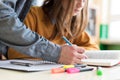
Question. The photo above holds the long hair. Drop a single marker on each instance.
(63, 20)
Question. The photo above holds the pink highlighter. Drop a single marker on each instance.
(76, 70)
(72, 70)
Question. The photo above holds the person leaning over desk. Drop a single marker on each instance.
(43, 20)
(56, 18)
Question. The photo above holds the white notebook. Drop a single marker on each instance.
(102, 58)
(101, 62)
(34, 65)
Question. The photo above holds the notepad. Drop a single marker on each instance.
(101, 62)
(36, 65)
(102, 58)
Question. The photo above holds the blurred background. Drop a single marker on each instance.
(104, 22)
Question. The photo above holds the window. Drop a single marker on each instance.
(114, 23)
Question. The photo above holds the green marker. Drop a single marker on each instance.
(99, 71)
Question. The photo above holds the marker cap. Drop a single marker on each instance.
(99, 71)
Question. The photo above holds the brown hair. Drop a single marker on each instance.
(64, 22)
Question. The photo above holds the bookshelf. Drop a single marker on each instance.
(94, 19)
(102, 28)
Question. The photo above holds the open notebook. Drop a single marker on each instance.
(102, 57)
(28, 65)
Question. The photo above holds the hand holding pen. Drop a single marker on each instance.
(71, 54)
(79, 49)
(75, 47)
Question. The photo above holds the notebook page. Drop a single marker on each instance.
(100, 62)
(102, 57)
(41, 67)
(103, 54)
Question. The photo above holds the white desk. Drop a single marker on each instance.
(112, 73)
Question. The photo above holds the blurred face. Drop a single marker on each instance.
(79, 4)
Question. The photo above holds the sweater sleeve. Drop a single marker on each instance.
(86, 42)
(15, 34)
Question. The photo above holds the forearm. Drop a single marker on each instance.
(14, 33)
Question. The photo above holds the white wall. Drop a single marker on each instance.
(114, 30)
(114, 26)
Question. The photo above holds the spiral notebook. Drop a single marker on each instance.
(28, 65)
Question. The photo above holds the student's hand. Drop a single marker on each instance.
(71, 54)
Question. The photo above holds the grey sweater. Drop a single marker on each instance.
(15, 34)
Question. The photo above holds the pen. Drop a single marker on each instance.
(76, 70)
(67, 41)
(21, 63)
(80, 65)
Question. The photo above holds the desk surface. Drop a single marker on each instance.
(112, 73)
